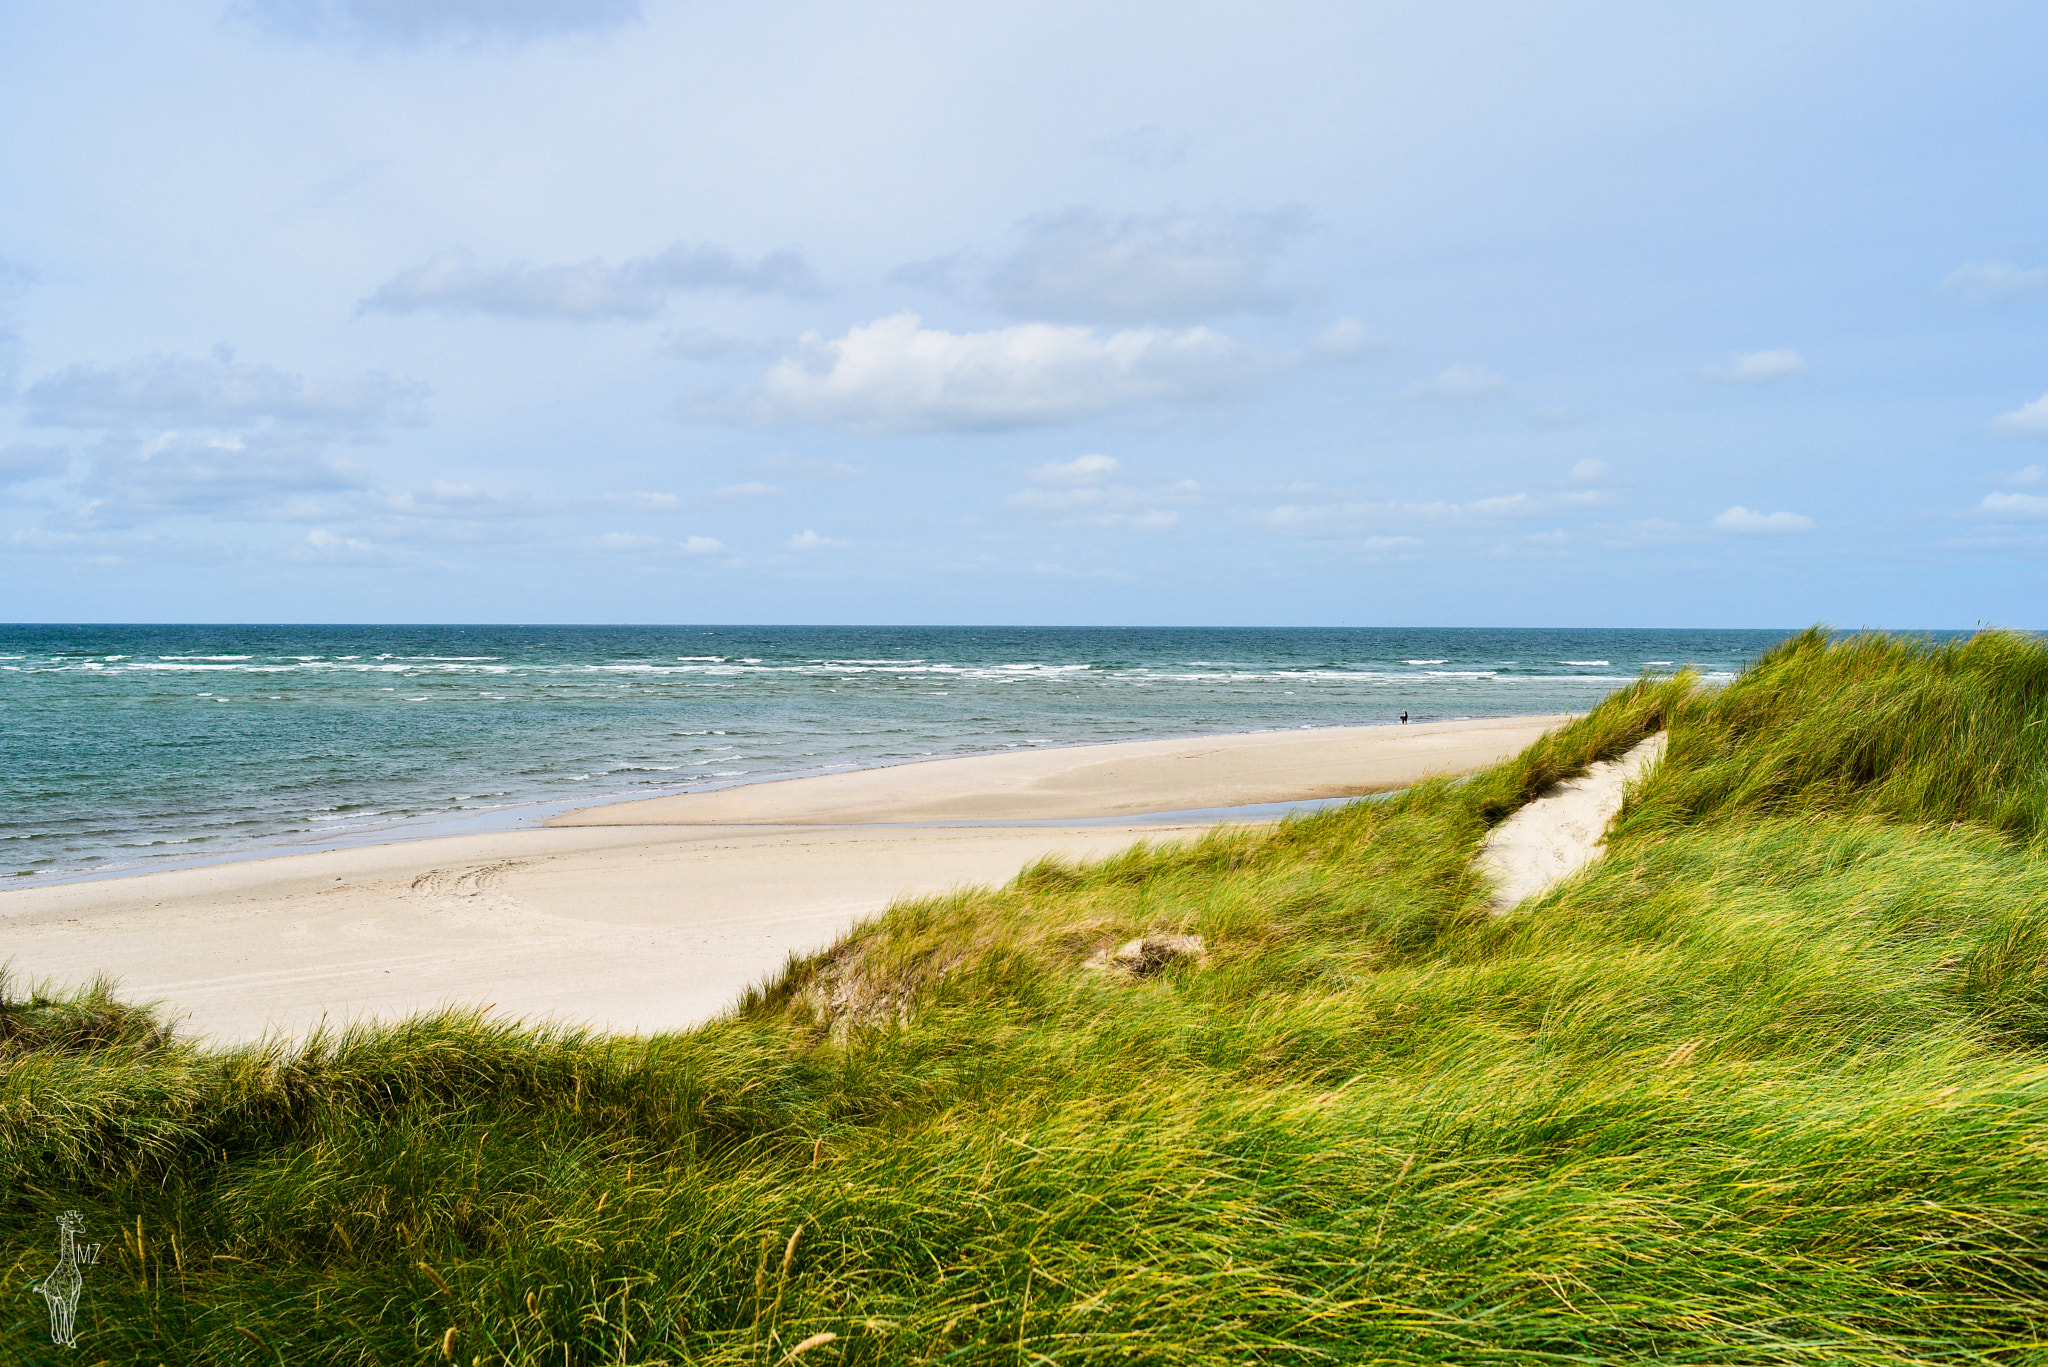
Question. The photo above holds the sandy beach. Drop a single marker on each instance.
(654, 915)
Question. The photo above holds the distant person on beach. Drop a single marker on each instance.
(1404, 716)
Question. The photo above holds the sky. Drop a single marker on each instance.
(1349, 314)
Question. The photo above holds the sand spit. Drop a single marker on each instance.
(1560, 832)
(655, 915)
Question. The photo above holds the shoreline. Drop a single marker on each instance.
(545, 813)
(638, 917)
(1128, 779)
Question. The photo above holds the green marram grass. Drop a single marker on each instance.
(1767, 1085)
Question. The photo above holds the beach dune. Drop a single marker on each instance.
(655, 915)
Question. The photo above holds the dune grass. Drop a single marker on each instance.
(1766, 1085)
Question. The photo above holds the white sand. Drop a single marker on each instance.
(653, 916)
(1126, 779)
(1560, 832)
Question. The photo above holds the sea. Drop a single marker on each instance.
(132, 748)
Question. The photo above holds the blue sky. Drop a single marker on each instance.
(1347, 314)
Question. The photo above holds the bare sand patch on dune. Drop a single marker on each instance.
(1561, 831)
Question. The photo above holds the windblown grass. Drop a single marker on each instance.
(1764, 1086)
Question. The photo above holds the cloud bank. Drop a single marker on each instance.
(219, 391)
(210, 435)
(895, 374)
(453, 282)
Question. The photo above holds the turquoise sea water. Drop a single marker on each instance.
(124, 748)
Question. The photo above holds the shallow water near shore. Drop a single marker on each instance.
(127, 748)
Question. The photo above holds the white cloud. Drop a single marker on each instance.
(638, 542)
(1992, 282)
(753, 488)
(1750, 523)
(220, 392)
(71, 545)
(1081, 266)
(216, 437)
(1155, 520)
(2028, 420)
(1759, 367)
(1078, 493)
(625, 541)
(1079, 470)
(2014, 505)
(456, 499)
(812, 469)
(414, 23)
(264, 474)
(1459, 384)
(653, 502)
(1654, 531)
(1586, 471)
(808, 540)
(896, 374)
(453, 282)
(2030, 474)
(1053, 570)
(1534, 546)
(1347, 519)
(1345, 337)
(321, 544)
